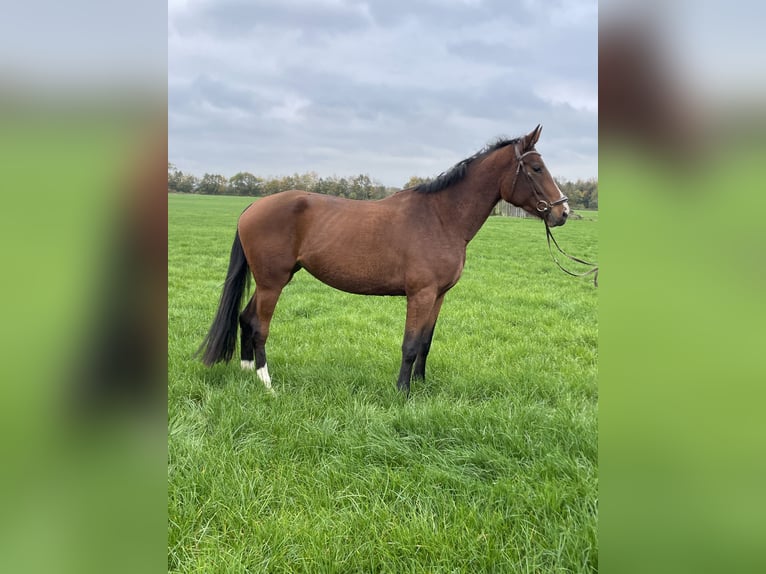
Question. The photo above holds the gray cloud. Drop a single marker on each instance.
(388, 88)
(244, 18)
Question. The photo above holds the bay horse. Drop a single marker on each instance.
(412, 244)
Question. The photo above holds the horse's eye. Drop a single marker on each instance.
(537, 169)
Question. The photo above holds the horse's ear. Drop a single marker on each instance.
(531, 138)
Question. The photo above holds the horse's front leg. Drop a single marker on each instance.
(417, 332)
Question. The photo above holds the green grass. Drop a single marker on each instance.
(491, 466)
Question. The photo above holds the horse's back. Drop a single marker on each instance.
(307, 209)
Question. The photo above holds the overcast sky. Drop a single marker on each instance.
(390, 88)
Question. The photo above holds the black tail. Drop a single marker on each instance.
(221, 340)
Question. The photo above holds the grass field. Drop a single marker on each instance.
(491, 466)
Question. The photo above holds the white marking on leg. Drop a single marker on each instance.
(263, 374)
(247, 365)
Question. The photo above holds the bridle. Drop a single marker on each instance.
(543, 206)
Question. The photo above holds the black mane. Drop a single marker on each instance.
(457, 171)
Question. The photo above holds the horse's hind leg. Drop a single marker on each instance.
(248, 325)
(254, 323)
(265, 303)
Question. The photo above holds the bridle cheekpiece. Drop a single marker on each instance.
(543, 205)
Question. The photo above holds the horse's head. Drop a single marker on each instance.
(531, 186)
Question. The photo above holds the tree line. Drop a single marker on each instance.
(244, 183)
(582, 194)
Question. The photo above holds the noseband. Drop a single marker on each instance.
(543, 205)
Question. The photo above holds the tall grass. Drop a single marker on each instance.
(489, 467)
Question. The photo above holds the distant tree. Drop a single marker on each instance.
(244, 183)
(593, 203)
(287, 182)
(582, 194)
(213, 184)
(172, 177)
(343, 187)
(334, 186)
(379, 191)
(360, 187)
(187, 183)
(272, 186)
(306, 181)
(179, 182)
(321, 185)
(415, 180)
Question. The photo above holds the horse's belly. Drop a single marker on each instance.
(364, 278)
(355, 251)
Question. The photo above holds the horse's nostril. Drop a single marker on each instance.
(565, 214)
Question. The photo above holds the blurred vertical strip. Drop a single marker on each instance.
(83, 239)
(683, 277)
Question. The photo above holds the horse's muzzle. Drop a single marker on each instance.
(554, 220)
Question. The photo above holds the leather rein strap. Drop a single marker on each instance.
(544, 206)
(593, 270)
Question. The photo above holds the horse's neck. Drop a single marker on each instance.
(469, 203)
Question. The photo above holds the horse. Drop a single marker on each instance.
(411, 244)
